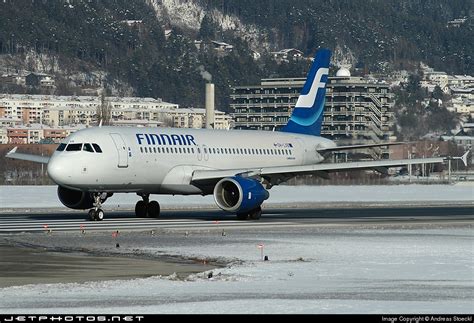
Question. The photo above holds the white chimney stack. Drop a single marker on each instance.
(209, 105)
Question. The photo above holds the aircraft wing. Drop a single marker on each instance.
(276, 175)
(34, 158)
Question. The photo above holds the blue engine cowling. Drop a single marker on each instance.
(239, 194)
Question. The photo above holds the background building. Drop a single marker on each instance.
(356, 110)
(37, 133)
(26, 119)
(55, 110)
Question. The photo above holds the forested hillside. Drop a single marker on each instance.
(65, 37)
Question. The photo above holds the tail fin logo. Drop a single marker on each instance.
(307, 100)
(307, 116)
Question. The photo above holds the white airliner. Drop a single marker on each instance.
(237, 167)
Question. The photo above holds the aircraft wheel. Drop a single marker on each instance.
(96, 215)
(99, 215)
(255, 214)
(153, 209)
(141, 209)
(92, 214)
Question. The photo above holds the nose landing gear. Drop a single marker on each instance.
(147, 208)
(97, 214)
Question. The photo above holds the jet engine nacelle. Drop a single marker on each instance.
(79, 200)
(239, 194)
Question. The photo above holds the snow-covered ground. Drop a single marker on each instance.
(46, 196)
(338, 269)
(326, 268)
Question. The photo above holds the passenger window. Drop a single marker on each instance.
(97, 148)
(88, 147)
(141, 149)
(74, 147)
(154, 150)
(146, 149)
(61, 147)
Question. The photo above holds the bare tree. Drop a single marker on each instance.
(104, 111)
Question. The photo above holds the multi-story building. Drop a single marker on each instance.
(3, 136)
(356, 110)
(36, 133)
(62, 110)
(4, 122)
(195, 118)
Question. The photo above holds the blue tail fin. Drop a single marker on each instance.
(307, 115)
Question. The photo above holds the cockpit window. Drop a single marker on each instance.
(61, 147)
(97, 148)
(74, 147)
(88, 147)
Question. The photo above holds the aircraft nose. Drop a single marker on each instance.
(58, 170)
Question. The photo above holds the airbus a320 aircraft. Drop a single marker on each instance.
(237, 167)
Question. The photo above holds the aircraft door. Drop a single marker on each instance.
(121, 150)
(199, 152)
(205, 152)
(304, 155)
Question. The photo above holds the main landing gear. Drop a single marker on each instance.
(97, 214)
(147, 208)
(254, 214)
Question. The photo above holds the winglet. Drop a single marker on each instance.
(12, 151)
(464, 158)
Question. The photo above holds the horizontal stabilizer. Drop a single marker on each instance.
(338, 148)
